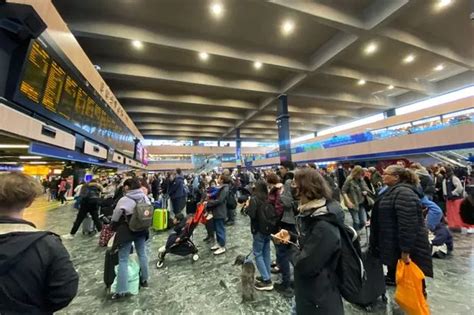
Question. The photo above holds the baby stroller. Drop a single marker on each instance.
(185, 245)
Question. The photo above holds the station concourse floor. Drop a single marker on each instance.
(211, 285)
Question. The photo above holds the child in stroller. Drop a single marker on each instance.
(179, 242)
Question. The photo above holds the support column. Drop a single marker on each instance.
(283, 125)
(238, 148)
(195, 142)
(219, 143)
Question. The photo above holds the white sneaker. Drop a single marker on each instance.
(215, 247)
(67, 237)
(470, 230)
(220, 250)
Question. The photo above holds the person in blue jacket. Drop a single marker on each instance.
(435, 214)
(177, 192)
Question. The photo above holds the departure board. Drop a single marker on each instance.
(68, 98)
(35, 73)
(54, 87)
(50, 87)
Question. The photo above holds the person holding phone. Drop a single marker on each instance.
(316, 247)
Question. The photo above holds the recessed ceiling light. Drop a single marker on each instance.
(361, 82)
(439, 67)
(217, 9)
(203, 56)
(14, 146)
(444, 3)
(390, 87)
(137, 44)
(30, 157)
(287, 27)
(370, 48)
(409, 59)
(257, 65)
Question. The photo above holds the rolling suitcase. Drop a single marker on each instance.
(88, 227)
(111, 260)
(160, 219)
(374, 287)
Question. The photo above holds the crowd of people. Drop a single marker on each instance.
(296, 210)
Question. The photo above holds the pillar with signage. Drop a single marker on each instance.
(238, 148)
(283, 125)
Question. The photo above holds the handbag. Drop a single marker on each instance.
(409, 292)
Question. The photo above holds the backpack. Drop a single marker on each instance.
(268, 219)
(231, 202)
(142, 216)
(350, 267)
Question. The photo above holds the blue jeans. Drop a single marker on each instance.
(261, 250)
(220, 231)
(124, 252)
(359, 218)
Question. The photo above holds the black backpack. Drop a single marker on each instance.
(231, 202)
(268, 219)
(350, 267)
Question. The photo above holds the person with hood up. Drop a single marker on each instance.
(397, 229)
(36, 272)
(124, 237)
(317, 248)
(177, 192)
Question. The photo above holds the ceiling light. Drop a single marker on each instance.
(287, 27)
(37, 163)
(257, 65)
(217, 9)
(361, 82)
(444, 3)
(30, 157)
(14, 146)
(409, 59)
(203, 56)
(390, 87)
(371, 48)
(439, 67)
(137, 44)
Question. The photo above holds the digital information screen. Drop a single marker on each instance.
(46, 83)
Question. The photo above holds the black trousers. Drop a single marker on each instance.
(62, 196)
(87, 207)
(210, 228)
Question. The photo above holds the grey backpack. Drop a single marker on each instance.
(142, 217)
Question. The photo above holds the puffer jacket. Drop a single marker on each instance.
(397, 226)
(315, 261)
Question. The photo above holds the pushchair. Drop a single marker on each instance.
(185, 245)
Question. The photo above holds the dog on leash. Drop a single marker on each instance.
(247, 278)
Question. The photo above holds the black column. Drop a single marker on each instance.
(283, 124)
(238, 148)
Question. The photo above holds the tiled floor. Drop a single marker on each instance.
(211, 285)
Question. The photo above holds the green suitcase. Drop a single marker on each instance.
(160, 219)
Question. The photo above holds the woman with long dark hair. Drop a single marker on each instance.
(397, 225)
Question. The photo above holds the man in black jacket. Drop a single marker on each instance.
(36, 273)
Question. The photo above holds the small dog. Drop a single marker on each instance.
(247, 278)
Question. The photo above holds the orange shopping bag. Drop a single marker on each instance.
(409, 291)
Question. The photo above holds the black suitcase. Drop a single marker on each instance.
(374, 287)
(111, 260)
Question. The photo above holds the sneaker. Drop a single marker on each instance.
(118, 296)
(208, 239)
(259, 278)
(284, 290)
(215, 247)
(229, 223)
(220, 250)
(144, 284)
(264, 285)
(470, 230)
(67, 237)
(275, 270)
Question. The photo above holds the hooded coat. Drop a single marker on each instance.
(315, 261)
(36, 272)
(397, 226)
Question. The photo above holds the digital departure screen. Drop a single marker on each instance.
(50, 87)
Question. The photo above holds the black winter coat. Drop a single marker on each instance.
(36, 273)
(254, 211)
(316, 281)
(397, 226)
